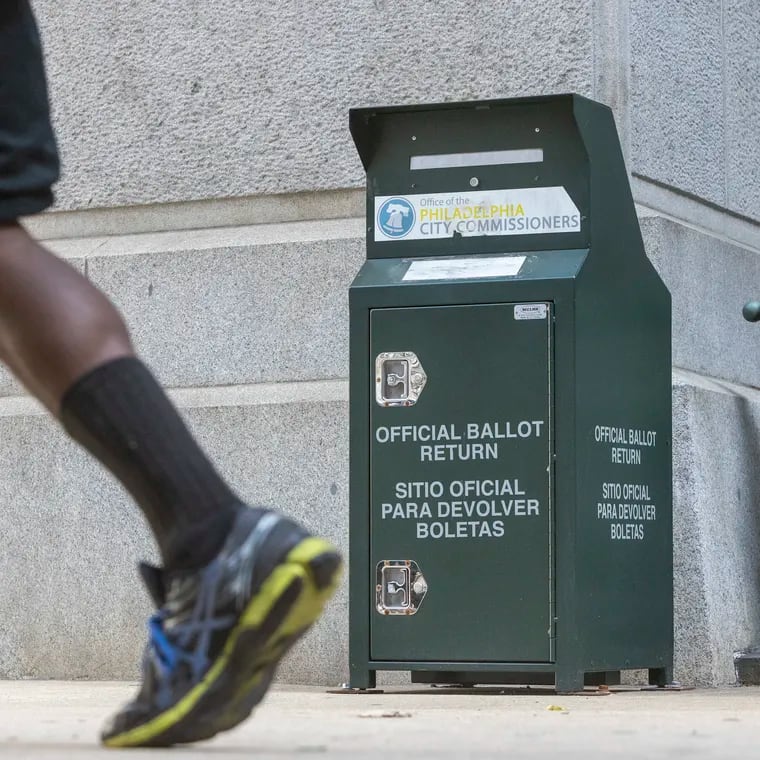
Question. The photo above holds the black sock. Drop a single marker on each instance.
(122, 416)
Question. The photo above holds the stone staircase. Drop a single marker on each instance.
(248, 327)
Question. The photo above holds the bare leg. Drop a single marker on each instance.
(55, 326)
(67, 343)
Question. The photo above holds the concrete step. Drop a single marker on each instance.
(716, 524)
(244, 305)
(710, 279)
(219, 314)
(70, 598)
(251, 325)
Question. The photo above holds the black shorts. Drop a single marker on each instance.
(28, 155)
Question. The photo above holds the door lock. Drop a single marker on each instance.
(399, 378)
(401, 587)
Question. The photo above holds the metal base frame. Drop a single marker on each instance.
(489, 673)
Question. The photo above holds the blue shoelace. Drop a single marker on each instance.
(188, 642)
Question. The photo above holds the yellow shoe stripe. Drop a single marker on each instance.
(303, 613)
(256, 612)
(309, 549)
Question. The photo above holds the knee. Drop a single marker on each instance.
(101, 324)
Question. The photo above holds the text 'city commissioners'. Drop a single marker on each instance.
(519, 211)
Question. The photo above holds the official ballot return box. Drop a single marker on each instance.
(511, 499)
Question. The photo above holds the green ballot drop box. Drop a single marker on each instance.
(510, 383)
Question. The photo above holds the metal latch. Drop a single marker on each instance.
(399, 378)
(401, 587)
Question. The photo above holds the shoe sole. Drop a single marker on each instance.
(289, 601)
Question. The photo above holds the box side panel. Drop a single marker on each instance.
(624, 561)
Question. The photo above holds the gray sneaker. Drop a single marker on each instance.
(220, 632)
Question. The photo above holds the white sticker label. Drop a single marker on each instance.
(531, 311)
(526, 211)
(464, 269)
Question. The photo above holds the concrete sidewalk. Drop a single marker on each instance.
(61, 720)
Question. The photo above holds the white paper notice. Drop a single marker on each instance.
(464, 269)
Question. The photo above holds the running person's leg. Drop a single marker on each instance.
(54, 325)
(238, 584)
